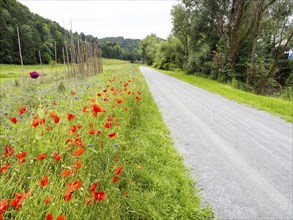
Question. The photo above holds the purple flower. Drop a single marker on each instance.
(34, 74)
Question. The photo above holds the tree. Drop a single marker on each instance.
(148, 48)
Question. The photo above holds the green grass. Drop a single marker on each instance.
(11, 72)
(276, 106)
(157, 184)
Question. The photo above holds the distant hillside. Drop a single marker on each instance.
(112, 45)
(40, 34)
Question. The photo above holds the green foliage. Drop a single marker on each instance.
(36, 34)
(153, 173)
(148, 48)
(163, 54)
(240, 40)
(120, 48)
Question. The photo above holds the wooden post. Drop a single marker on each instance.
(100, 61)
(67, 58)
(55, 61)
(63, 54)
(95, 60)
(20, 55)
(72, 51)
(41, 62)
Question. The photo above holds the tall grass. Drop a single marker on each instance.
(116, 157)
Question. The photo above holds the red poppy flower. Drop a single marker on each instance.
(14, 120)
(77, 184)
(61, 217)
(42, 156)
(21, 157)
(3, 206)
(70, 189)
(77, 164)
(22, 110)
(108, 124)
(55, 117)
(93, 187)
(119, 101)
(44, 181)
(47, 200)
(49, 216)
(70, 116)
(35, 121)
(118, 171)
(115, 179)
(72, 130)
(99, 131)
(67, 196)
(19, 198)
(137, 98)
(66, 173)
(42, 121)
(112, 134)
(92, 131)
(88, 201)
(78, 152)
(106, 99)
(8, 151)
(99, 196)
(96, 109)
(4, 168)
(57, 156)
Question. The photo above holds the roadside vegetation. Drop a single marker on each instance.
(245, 43)
(90, 147)
(277, 106)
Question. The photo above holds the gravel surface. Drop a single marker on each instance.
(240, 157)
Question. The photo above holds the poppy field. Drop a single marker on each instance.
(90, 148)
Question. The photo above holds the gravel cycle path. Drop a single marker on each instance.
(240, 157)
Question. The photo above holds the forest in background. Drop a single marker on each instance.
(40, 34)
(242, 42)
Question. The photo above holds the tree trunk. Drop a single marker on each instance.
(234, 26)
(260, 9)
(276, 61)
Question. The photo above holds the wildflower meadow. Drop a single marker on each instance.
(90, 148)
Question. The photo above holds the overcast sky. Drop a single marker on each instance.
(130, 19)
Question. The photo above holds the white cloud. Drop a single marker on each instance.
(130, 19)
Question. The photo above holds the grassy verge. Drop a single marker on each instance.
(92, 148)
(278, 107)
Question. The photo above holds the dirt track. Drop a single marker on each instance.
(239, 156)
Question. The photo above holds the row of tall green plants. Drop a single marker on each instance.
(244, 42)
